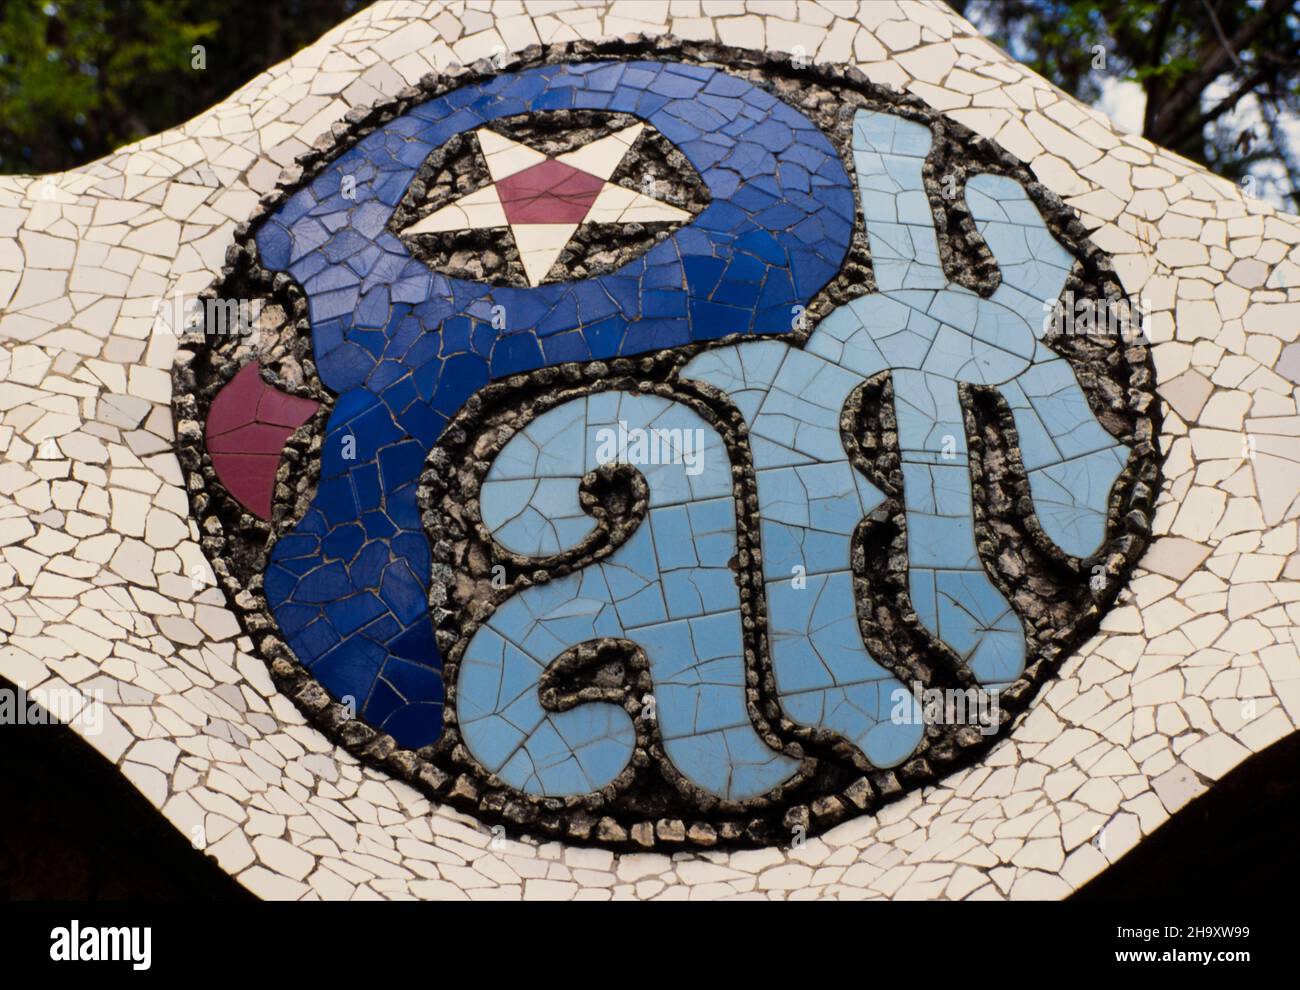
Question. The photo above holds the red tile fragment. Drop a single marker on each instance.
(248, 425)
(549, 192)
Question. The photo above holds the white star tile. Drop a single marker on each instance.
(600, 158)
(504, 156)
(539, 245)
(481, 208)
(616, 204)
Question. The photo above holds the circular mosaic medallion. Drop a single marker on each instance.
(659, 445)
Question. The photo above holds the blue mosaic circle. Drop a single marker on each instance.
(780, 517)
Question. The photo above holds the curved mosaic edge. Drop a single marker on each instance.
(867, 792)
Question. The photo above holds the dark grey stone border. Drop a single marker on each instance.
(1060, 599)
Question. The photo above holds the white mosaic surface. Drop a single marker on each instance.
(1193, 670)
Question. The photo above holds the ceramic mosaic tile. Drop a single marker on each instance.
(687, 465)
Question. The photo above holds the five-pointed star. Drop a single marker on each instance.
(543, 199)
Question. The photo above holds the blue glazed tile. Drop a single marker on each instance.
(369, 565)
(318, 636)
(274, 244)
(415, 725)
(346, 665)
(402, 593)
(349, 614)
(382, 630)
(626, 316)
(343, 542)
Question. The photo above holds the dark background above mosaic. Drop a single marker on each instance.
(83, 77)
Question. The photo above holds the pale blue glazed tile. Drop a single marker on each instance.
(761, 361)
(1071, 498)
(982, 204)
(697, 666)
(696, 591)
(713, 530)
(795, 663)
(602, 407)
(758, 768)
(979, 625)
(774, 432)
(1007, 331)
(669, 648)
(545, 765)
(783, 550)
(1062, 408)
(914, 210)
(833, 506)
(999, 659)
(924, 597)
(960, 310)
(500, 501)
(950, 484)
(890, 743)
(880, 205)
(782, 496)
(480, 675)
(807, 707)
(835, 634)
(609, 749)
(557, 498)
(673, 543)
(1036, 446)
(1007, 241)
(906, 345)
(639, 609)
(718, 635)
(818, 441)
(940, 541)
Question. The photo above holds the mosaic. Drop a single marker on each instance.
(651, 445)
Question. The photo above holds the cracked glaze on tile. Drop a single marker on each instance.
(1196, 668)
(669, 589)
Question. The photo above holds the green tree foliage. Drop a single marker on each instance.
(79, 78)
(1221, 77)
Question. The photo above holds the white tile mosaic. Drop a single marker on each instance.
(103, 587)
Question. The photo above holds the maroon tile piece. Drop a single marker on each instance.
(247, 426)
(238, 396)
(549, 192)
(250, 479)
(256, 438)
(282, 409)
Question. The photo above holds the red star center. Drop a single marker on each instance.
(549, 192)
(544, 200)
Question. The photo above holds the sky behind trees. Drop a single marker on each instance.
(1215, 80)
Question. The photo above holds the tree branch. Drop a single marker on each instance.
(1189, 89)
(1156, 49)
(1218, 29)
(1219, 109)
